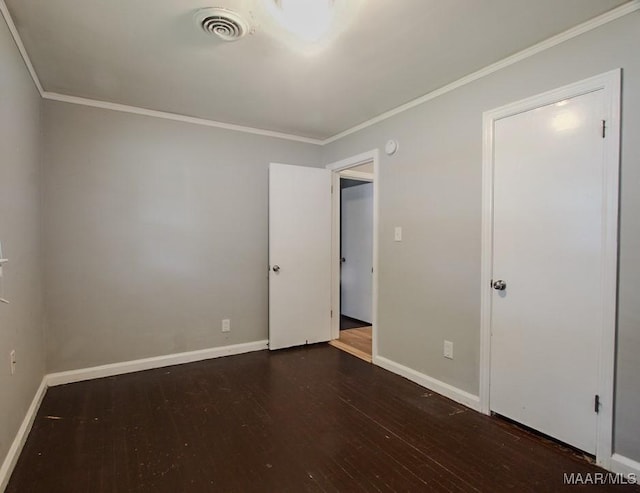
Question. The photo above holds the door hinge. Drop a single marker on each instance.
(596, 404)
(604, 128)
(331, 188)
(331, 313)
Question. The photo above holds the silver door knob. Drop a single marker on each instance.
(276, 268)
(499, 285)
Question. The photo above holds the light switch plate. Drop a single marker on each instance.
(12, 361)
(448, 349)
(397, 235)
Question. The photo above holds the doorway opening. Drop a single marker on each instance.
(353, 310)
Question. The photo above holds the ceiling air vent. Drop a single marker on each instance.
(225, 24)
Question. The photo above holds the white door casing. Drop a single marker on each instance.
(550, 232)
(299, 255)
(357, 250)
(336, 169)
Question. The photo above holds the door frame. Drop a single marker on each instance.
(609, 82)
(372, 156)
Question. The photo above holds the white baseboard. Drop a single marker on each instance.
(21, 437)
(72, 376)
(449, 391)
(624, 465)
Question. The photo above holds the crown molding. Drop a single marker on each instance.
(612, 15)
(18, 41)
(587, 26)
(134, 109)
(175, 117)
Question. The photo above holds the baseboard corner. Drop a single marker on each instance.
(13, 453)
(624, 465)
(449, 391)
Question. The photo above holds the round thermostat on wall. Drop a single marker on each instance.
(391, 147)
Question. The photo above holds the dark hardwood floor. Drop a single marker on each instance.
(307, 419)
(347, 323)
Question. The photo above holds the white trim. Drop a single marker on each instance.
(610, 83)
(21, 437)
(624, 465)
(590, 25)
(449, 391)
(357, 175)
(353, 161)
(372, 156)
(175, 117)
(23, 52)
(587, 26)
(72, 376)
(486, 263)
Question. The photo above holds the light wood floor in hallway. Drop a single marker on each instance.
(357, 342)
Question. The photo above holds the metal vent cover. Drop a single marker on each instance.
(224, 23)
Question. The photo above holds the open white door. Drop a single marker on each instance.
(299, 255)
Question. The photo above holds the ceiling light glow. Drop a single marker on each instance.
(308, 20)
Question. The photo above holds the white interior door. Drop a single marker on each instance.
(356, 234)
(299, 255)
(548, 249)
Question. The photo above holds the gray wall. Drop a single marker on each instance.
(430, 282)
(155, 231)
(21, 321)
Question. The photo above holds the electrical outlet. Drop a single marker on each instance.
(226, 325)
(448, 349)
(12, 361)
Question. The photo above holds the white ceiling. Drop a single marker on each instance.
(150, 54)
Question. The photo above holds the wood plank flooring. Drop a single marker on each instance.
(308, 419)
(357, 342)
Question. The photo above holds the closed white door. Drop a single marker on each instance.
(356, 287)
(547, 314)
(299, 255)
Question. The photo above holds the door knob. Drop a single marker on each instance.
(342, 260)
(499, 285)
(276, 268)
